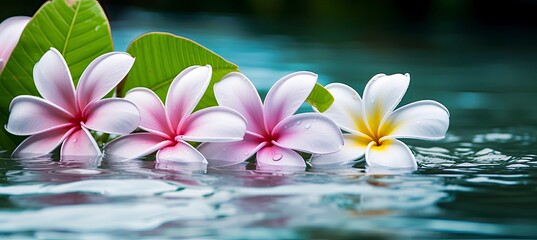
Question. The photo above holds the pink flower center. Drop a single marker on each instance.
(79, 119)
(270, 138)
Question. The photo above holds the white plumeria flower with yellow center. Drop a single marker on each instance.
(373, 126)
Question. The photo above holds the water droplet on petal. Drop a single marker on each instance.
(246, 153)
(298, 122)
(308, 126)
(355, 97)
(277, 157)
(75, 140)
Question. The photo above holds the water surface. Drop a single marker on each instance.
(476, 184)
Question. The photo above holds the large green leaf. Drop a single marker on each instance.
(78, 29)
(161, 56)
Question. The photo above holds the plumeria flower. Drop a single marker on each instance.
(273, 131)
(373, 126)
(64, 115)
(169, 127)
(10, 32)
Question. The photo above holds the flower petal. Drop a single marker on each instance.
(42, 143)
(381, 95)
(135, 145)
(247, 103)
(152, 111)
(80, 143)
(101, 76)
(214, 124)
(346, 110)
(185, 92)
(309, 132)
(10, 32)
(229, 153)
(181, 152)
(392, 153)
(353, 148)
(53, 80)
(1, 65)
(286, 96)
(419, 120)
(112, 115)
(278, 156)
(30, 115)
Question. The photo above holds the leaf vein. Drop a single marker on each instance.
(71, 27)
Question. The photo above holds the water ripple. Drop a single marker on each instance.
(103, 217)
(468, 185)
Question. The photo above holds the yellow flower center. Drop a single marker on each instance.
(377, 129)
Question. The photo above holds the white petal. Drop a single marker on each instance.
(10, 32)
(112, 115)
(135, 145)
(309, 132)
(101, 76)
(278, 156)
(353, 148)
(152, 111)
(381, 95)
(53, 80)
(286, 96)
(229, 153)
(30, 115)
(247, 102)
(181, 152)
(419, 120)
(346, 110)
(185, 92)
(214, 124)
(80, 143)
(392, 153)
(42, 143)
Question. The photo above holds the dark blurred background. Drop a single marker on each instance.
(476, 57)
(315, 15)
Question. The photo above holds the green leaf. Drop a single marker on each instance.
(161, 56)
(78, 29)
(320, 98)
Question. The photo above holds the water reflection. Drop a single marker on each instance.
(470, 185)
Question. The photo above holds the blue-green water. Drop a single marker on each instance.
(480, 182)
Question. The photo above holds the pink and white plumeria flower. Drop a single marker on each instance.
(10, 32)
(373, 126)
(169, 127)
(273, 131)
(65, 115)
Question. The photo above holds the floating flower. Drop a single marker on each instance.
(373, 126)
(169, 127)
(65, 115)
(273, 131)
(10, 32)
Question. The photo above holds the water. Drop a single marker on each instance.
(479, 182)
(472, 184)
